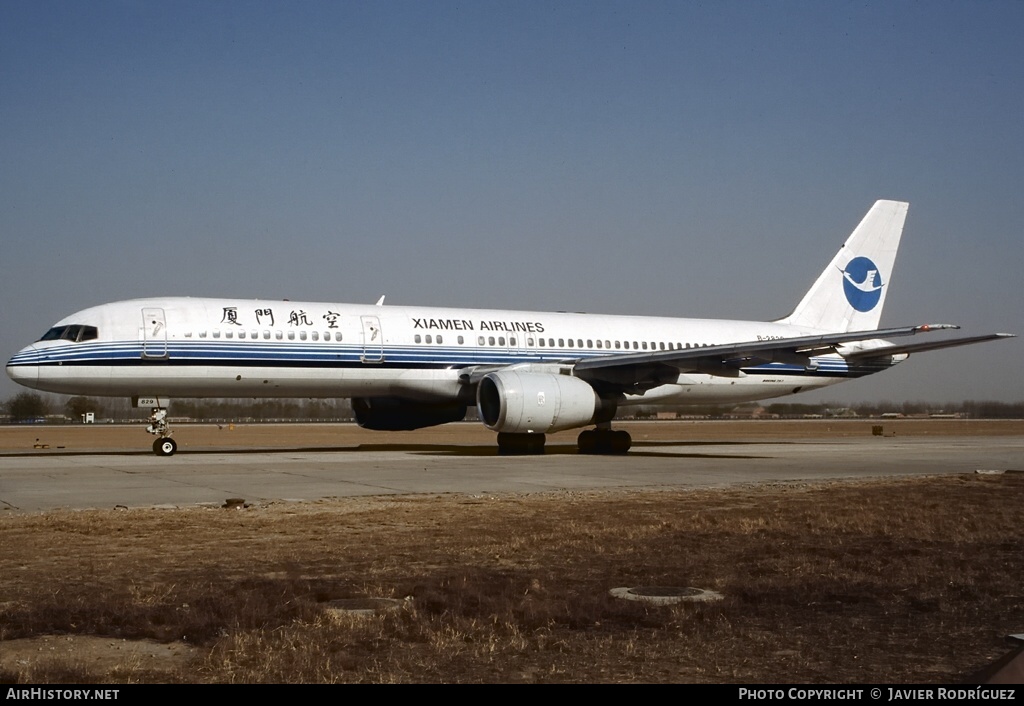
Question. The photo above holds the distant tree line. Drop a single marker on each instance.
(971, 409)
(30, 406)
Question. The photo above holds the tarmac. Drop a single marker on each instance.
(108, 479)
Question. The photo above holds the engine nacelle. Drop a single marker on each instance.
(396, 414)
(523, 402)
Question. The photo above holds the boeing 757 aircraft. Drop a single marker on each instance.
(528, 373)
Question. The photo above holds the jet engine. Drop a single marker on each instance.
(528, 402)
(396, 414)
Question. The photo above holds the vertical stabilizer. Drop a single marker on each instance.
(850, 293)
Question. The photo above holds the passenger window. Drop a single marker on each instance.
(511, 340)
(501, 340)
(439, 338)
(216, 333)
(278, 335)
(254, 335)
(337, 335)
(541, 341)
(561, 342)
(590, 343)
(428, 338)
(480, 340)
(570, 343)
(529, 342)
(461, 340)
(266, 335)
(188, 334)
(202, 334)
(291, 335)
(417, 338)
(229, 334)
(302, 335)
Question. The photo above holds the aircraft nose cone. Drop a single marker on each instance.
(22, 368)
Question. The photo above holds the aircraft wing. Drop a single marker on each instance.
(642, 371)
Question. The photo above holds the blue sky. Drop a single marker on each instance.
(665, 158)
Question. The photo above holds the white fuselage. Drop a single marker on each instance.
(193, 347)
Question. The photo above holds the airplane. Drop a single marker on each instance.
(528, 373)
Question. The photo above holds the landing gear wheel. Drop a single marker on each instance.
(603, 441)
(165, 447)
(621, 441)
(520, 444)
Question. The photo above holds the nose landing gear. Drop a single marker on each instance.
(159, 426)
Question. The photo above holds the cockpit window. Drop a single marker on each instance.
(54, 334)
(75, 333)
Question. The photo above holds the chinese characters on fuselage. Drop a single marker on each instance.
(265, 316)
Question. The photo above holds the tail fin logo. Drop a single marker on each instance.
(862, 284)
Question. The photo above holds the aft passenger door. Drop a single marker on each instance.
(154, 333)
(373, 340)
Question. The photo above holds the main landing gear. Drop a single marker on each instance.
(520, 444)
(600, 441)
(158, 425)
(603, 441)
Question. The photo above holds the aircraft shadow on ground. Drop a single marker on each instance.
(645, 449)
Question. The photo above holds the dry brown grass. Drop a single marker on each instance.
(911, 580)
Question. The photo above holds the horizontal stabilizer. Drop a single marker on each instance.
(898, 349)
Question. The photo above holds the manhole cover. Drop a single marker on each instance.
(665, 595)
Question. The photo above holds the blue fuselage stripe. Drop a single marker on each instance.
(244, 354)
